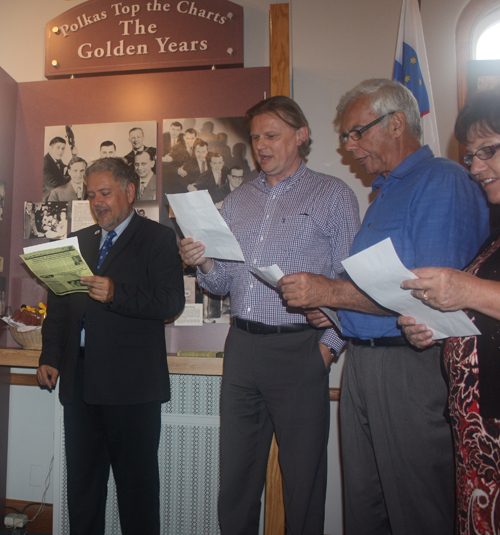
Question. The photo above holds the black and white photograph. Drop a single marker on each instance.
(211, 154)
(69, 149)
(147, 209)
(45, 220)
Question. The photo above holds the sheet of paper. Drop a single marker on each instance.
(191, 315)
(378, 271)
(60, 268)
(272, 274)
(53, 245)
(81, 216)
(198, 218)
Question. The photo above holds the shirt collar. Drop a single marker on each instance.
(407, 165)
(287, 182)
(119, 229)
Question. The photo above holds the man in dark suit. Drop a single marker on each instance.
(108, 347)
(196, 165)
(214, 180)
(53, 167)
(144, 165)
(136, 138)
(182, 151)
(177, 179)
(172, 138)
(74, 190)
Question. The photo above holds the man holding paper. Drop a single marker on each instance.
(108, 347)
(397, 450)
(276, 367)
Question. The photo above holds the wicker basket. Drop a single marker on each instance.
(27, 339)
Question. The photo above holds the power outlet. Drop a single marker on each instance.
(16, 521)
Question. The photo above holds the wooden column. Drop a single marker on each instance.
(279, 39)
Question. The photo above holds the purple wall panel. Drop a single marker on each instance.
(105, 99)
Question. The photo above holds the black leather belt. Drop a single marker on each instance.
(386, 341)
(254, 327)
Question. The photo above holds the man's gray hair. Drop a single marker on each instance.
(118, 168)
(386, 96)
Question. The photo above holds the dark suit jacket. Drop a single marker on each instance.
(53, 177)
(125, 352)
(130, 157)
(207, 181)
(193, 170)
(167, 142)
(66, 193)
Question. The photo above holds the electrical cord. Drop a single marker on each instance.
(47, 485)
(42, 503)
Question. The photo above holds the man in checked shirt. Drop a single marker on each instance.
(276, 366)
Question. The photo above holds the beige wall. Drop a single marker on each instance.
(335, 45)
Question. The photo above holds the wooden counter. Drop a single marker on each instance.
(23, 358)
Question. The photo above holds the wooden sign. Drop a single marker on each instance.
(104, 36)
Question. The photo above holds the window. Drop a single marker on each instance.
(487, 37)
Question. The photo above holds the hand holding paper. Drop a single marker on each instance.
(272, 274)
(198, 218)
(379, 272)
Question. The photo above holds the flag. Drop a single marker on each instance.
(412, 70)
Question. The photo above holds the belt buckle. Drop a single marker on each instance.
(372, 342)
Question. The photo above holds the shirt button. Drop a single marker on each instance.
(251, 285)
(274, 196)
(267, 216)
(248, 309)
(261, 238)
(254, 261)
(369, 225)
(381, 195)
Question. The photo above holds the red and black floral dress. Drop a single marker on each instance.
(473, 368)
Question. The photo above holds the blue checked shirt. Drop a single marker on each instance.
(307, 222)
(435, 215)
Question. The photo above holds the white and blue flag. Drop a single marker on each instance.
(412, 70)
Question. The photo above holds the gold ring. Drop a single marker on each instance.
(425, 297)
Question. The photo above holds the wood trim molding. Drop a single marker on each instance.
(23, 379)
(279, 41)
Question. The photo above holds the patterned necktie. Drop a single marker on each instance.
(106, 246)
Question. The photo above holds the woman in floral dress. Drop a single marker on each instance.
(472, 363)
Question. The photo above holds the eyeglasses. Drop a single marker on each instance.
(483, 154)
(356, 134)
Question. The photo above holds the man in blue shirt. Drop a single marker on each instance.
(396, 444)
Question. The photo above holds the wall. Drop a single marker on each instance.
(335, 45)
(8, 90)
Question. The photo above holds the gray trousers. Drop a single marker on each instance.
(277, 383)
(397, 449)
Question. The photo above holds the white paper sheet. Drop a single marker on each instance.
(378, 271)
(56, 244)
(272, 274)
(198, 218)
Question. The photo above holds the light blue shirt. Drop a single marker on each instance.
(435, 214)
